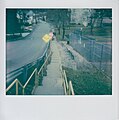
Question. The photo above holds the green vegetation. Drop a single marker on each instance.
(104, 31)
(99, 33)
(68, 29)
(89, 83)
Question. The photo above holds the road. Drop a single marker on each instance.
(27, 49)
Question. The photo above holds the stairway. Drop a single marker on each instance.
(52, 83)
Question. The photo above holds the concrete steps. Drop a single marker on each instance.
(52, 83)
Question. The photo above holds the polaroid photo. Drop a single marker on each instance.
(59, 60)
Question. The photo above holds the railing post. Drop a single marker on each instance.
(90, 51)
(65, 78)
(101, 56)
(17, 87)
(36, 77)
(49, 59)
(45, 67)
(42, 72)
(69, 89)
(25, 73)
(23, 91)
(37, 64)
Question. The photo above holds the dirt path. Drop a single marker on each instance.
(72, 59)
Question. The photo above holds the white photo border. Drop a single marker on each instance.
(91, 107)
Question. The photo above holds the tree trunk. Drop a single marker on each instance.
(92, 25)
(91, 29)
(63, 32)
(59, 30)
(101, 25)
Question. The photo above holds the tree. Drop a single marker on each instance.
(98, 15)
(60, 18)
(104, 13)
(12, 24)
(80, 16)
(93, 17)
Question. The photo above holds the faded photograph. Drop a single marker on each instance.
(59, 51)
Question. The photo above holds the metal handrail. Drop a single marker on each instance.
(71, 90)
(68, 87)
(30, 78)
(18, 70)
(44, 63)
(10, 86)
(65, 79)
(17, 82)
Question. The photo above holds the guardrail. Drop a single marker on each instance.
(35, 72)
(68, 87)
(24, 71)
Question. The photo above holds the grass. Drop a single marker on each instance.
(92, 82)
(99, 33)
(68, 30)
(89, 83)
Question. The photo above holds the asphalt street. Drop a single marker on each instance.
(28, 49)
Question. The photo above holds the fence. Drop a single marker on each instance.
(25, 77)
(35, 74)
(99, 54)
